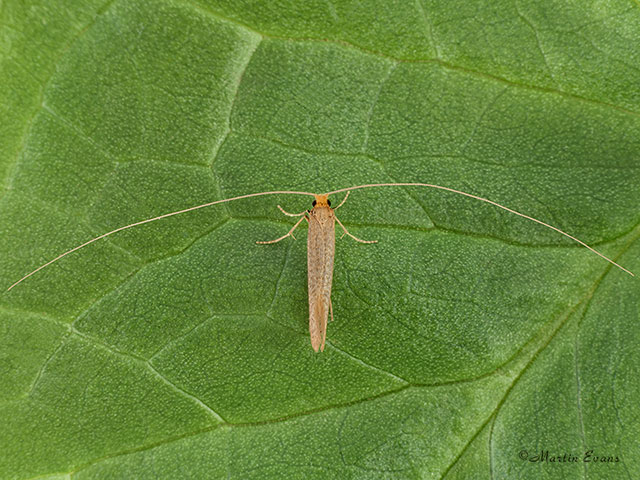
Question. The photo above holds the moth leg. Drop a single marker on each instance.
(343, 200)
(331, 308)
(355, 238)
(291, 214)
(289, 234)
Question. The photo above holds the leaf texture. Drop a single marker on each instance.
(462, 339)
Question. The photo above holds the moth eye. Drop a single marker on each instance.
(313, 204)
(329, 202)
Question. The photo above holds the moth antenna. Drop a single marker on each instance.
(148, 220)
(440, 187)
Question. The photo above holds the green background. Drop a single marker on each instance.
(180, 349)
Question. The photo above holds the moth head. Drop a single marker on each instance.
(321, 201)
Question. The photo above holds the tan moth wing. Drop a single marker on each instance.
(321, 245)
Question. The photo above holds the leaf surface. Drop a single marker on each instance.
(466, 342)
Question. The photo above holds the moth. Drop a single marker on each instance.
(320, 244)
(321, 249)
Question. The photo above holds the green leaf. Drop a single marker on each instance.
(465, 340)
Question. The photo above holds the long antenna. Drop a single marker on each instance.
(487, 201)
(347, 189)
(171, 214)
